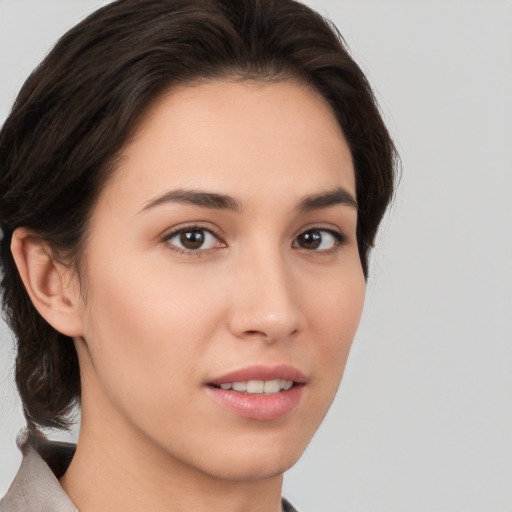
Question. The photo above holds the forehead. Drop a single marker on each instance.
(247, 139)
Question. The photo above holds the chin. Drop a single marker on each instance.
(255, 462)
(251, 470)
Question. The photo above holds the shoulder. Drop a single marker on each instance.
(285, 505)
(36, 487)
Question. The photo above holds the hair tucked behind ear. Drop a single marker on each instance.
(77, 110)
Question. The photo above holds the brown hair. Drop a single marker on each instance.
(76, 111)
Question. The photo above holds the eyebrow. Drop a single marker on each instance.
(198, 198)
(212, 200)
(333, 197)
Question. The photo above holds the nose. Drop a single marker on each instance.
(264, 300)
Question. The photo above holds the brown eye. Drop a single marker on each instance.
(310, 239)
(319, 239)
(193, 239)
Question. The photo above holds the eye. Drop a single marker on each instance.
(193, 239)
(320, 240)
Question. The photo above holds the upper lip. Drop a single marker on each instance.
(261, 372)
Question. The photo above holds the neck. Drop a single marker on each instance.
(117, 469)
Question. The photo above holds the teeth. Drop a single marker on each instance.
(253, 387)
(285, 384)
(239, 386)
(271, 386)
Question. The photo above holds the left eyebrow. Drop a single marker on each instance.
(198, 198)
(333, 197)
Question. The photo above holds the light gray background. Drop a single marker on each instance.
(423, 420)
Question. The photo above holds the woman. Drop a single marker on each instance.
(189, 193)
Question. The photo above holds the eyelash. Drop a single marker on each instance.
(340, 240)
(190, 252)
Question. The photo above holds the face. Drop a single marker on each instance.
(224, 285)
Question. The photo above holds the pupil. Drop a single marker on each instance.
(311, 239)
(192, 239)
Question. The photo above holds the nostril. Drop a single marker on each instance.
(257, 333)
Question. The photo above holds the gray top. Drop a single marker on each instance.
(36, 487)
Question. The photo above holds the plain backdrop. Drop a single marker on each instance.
(423, 419)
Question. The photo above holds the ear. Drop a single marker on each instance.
(52, 288)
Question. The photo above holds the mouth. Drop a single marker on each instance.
(259, 392)
(257, 387)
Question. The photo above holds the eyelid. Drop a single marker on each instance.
(331, 228)
(169, 233)
(199, 226)
(340, 239)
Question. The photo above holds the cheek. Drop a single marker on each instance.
(142, 326)
(334, 318)
(146, 341)
(154, 320)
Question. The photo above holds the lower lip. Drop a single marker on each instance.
(258, 406)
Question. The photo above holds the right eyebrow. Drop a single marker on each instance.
(326, 199)
(196, 197)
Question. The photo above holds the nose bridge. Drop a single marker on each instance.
(264, 303)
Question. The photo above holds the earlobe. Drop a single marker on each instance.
(48, 283)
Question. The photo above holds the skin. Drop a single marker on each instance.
(158, 324)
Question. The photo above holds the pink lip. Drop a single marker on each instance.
(262, 372)
(259, 406)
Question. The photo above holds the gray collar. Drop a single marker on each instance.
(36, 487)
